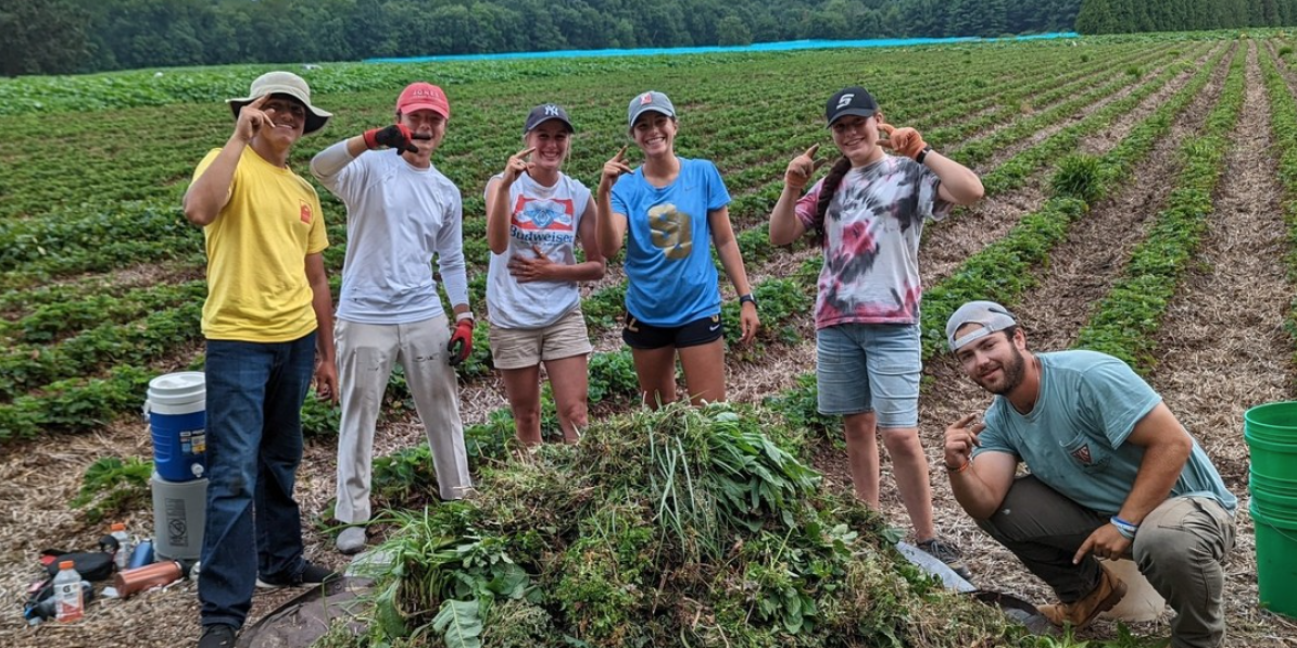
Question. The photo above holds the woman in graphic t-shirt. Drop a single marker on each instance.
(868, 213)
(670, 212)
(536, 214)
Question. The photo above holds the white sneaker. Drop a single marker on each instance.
(351, 540)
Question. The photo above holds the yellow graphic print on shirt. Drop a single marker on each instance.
(672, 231)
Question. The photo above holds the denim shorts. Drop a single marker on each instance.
(870, 367)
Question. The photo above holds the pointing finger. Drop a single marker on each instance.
(810, 152)
(886, 128)
(622, 153)
(525, 152)
(966, 419)
(1085, 549)
(259, 101)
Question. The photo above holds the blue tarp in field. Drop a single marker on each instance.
(782, 46)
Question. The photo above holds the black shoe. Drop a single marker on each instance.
(311, 575)
(949, 554)
(218, 635)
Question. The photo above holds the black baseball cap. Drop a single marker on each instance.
(850, 101)
(543, 113)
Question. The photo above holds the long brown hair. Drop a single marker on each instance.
(830, 186)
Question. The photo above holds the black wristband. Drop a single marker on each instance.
(923, 154)
(748, 298)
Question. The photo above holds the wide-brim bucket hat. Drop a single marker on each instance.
(284, 83)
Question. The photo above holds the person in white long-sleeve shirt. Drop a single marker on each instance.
(401, 211)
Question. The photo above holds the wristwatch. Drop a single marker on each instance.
(748, 298)
(923, 154)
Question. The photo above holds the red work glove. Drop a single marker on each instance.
(461, 341)
(906, 141)
(396, 136)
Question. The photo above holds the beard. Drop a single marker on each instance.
(1012, 371)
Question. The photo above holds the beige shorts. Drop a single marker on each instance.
(521, 348)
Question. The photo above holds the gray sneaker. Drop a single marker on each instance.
(948, 553)
(351, 540)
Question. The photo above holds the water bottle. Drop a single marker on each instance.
(143, 554)
(69, 605)
(122, 558)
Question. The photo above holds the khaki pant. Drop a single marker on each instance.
(1180, 548)
(366, 354)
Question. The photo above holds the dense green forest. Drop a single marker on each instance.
(62, 36)
(1126, 16)
(66, 36)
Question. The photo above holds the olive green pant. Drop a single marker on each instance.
(1180, 548)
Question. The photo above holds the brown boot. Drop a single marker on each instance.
(1082, 612)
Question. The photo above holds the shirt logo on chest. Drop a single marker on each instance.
(304, 212)
(1082, 454)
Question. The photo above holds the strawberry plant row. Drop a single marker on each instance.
(1126, 321)
(1283, 125)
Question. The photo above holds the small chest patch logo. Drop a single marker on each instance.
(305, 212)
(1082, 454)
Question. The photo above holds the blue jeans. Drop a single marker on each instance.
(254, 445)
(870, 367)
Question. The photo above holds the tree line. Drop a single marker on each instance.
(69, 36)
(1126, 16)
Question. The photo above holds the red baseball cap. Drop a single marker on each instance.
(423, 96)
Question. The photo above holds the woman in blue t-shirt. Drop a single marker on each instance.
(669, 211)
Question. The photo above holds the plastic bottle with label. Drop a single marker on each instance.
(69, 605)
(122, 557)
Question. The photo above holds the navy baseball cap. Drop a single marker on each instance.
(545, 112)
(850, 101)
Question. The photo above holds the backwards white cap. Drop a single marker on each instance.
(989, 315)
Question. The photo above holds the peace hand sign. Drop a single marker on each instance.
(802, 167)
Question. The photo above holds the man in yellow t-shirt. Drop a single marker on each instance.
(268, 321)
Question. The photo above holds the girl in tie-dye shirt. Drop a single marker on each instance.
(868, 214)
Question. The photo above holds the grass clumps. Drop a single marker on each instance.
(1078, 176)
(682, 527)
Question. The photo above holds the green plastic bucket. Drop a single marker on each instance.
(1271, 459)
(1272, 421)
(1262, 486)
(1276, 562)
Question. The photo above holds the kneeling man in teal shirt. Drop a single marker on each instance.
(1113, 474)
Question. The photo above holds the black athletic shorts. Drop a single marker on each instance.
(696, 333)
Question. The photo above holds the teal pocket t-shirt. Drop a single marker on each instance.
(668, 252)
(1074, 440)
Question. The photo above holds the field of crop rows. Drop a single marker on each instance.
(1141, 200)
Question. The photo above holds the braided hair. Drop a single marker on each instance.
(831, 183)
